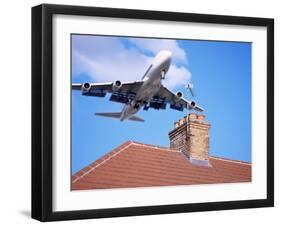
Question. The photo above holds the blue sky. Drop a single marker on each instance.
(219, 71)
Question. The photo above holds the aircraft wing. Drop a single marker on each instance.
(177, 103)
(100, 89)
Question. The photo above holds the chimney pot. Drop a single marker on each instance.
(201, 118)
(192, 117)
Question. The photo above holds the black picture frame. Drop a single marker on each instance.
(42, 111)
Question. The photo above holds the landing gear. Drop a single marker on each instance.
(136, 106)
(146, 107)
(163, 75)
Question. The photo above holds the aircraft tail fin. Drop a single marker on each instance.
(136, 118)
(109, 114)
(117, 115)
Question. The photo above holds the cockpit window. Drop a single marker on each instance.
(148, 69)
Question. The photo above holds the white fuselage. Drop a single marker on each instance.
(151, 85)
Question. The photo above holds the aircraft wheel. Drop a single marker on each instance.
(163, 75)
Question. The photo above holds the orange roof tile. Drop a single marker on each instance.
(139, 165)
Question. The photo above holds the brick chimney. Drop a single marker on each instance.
(191, 136)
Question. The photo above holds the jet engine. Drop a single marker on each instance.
(179, 95)
(116, 85)
(192, 105)
(86, 87)
(177, 105)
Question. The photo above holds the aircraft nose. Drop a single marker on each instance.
(166, 54)
(163, 60)
(167, 58)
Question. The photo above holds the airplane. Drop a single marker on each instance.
(145, 93)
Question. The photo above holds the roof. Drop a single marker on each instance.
(135, 164)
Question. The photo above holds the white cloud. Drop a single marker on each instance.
(108, 59)
(127, 66)
(177, 76)
(156, 45)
